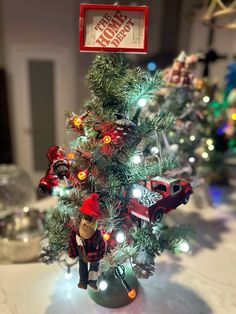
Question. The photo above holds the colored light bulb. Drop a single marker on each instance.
(106, 236)
(233, 116)
(77, 121)
(132, 294)
(70, 155)
(106, 139)
(82, 175)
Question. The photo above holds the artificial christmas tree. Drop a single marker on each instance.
(182, 94)
(108, 173)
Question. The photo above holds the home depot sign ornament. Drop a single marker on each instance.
(113, 28)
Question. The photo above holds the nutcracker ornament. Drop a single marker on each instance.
(87, 243)
(58, 169)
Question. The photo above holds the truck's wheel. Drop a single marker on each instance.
(186, 198)
(159, 215)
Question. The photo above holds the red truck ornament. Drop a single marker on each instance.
(157, 197)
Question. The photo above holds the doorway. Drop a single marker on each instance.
(42, 90)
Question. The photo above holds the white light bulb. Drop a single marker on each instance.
(103, 285)
(142, 102)
(205, 155)
(55, 191)
(68, 276)
(136, 159)
(174, 148)
(26, 209)
(137, 192)
(209, 141)
(206, 99)
(191, 159)
(211, 147)
(61, 192)
(120, 237)
(154, 150)
(184, 247)
(192, 138)
(25, 240)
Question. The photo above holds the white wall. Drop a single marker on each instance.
(1, 38)
(35, 23)
(38, 25)
(53, 22)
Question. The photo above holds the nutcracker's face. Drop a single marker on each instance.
(87, 227)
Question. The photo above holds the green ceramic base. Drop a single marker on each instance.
(115, 295)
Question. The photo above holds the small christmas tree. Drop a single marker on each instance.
(182, 94)
(114, 194)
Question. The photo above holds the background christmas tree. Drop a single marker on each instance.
(104, 170)
(183, 95)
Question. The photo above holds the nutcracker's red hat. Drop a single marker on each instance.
(52, 153)
(90, 206)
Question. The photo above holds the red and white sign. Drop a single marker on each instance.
(113, 28)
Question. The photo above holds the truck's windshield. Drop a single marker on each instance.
(158, 187)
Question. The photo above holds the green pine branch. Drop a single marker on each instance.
(151, 169)
(57, 230)
(157, 124)
(115, 85)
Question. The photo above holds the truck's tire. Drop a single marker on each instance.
(159, 215)
(186, 198)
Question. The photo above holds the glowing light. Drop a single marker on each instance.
(205, 155)
(192, 138)
(106, 139)
(68, 275)
(132, 294)
(151, 66)
(184, 247)
(174, 148)
(106, 236)
(58, 191)
(25, 240)
(26, 209)
(206, 99)
(77, 121)
(191, 159)
(181, 140)
(137, 193)
(154, 150)
(70, 155)
(136, 159)
(233, 116)
(120, 237)
(103, 285)
(211, 147)
(209, 141)
(142, 102)
(82, 175)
